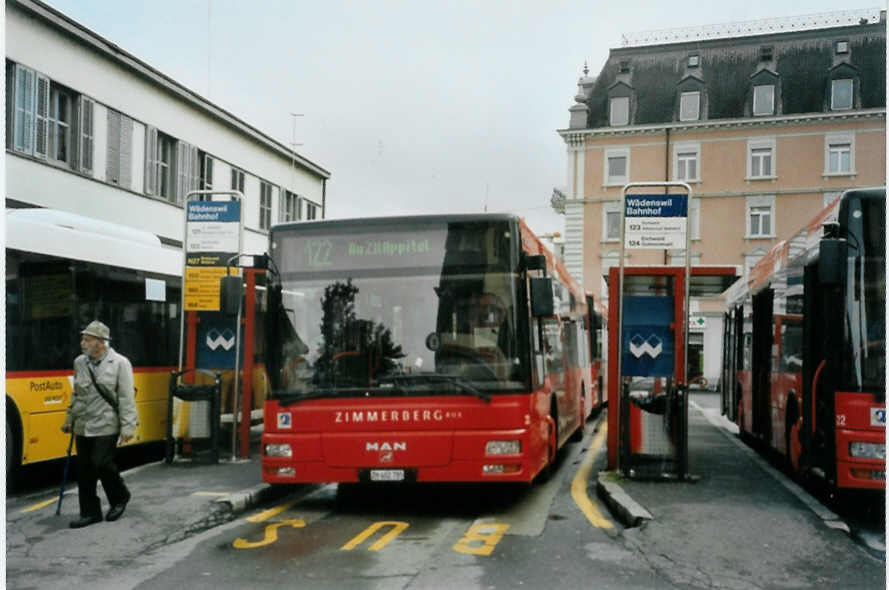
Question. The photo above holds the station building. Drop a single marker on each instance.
(93, 130)
(767, 121)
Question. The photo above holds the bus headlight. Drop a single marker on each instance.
(865, 450)
(503, 447)
(278, 450)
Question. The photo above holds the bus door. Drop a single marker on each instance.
(763, 339)
(820, 365)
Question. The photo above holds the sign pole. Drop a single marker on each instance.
(212, 243)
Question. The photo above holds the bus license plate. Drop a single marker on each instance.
(387, 475)
(878, 416)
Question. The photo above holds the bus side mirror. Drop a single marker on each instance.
(535, 262)
(230, 292)
(832, 261)
(542, 297)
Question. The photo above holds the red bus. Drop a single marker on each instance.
(427, 348)
(805, 356)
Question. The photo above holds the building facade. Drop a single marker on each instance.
(766, 128)
(93, 130)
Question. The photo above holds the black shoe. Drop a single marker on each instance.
(86, 521)
(115, 512)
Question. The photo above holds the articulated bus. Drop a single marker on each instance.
(62, 271)
(805, 352)
(418, 349)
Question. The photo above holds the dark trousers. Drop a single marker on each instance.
(95, 461)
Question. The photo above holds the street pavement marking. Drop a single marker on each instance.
(486, 533)
(579, 484)
(267, 514)
(271, 534)
(40, 505)
(397, 528)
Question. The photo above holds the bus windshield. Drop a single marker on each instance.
(865, 317)
(392, 311)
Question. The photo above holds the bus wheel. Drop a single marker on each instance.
(552, 444)
(577, 435)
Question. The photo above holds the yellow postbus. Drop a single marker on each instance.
(62, 271)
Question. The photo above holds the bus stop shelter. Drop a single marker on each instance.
(648, 405)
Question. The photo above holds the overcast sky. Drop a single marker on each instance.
(413, 106)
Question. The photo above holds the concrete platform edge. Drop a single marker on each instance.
(626, 509)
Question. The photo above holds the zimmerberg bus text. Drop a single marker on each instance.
(389, 416)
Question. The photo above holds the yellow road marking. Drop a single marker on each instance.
(270, 536)
(267, 514)
(481, 539)
(397, 528)
(579, 484)
(40, 505)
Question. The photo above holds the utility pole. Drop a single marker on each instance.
(293, 146)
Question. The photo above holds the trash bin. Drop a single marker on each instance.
(203, 424)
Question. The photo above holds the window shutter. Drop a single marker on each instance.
(126, 151)
(151, 161)
(112, 152)
(41, 118)
(86, 134)
(23, 124)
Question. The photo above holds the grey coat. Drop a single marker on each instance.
(90, 413)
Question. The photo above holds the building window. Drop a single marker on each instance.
(694, 61)
(839, 155)
(760, 162)
(289, 206)
(760, 217)
(60, 121)
(611, 221)
(160, 154)
(265, 201)
(764, 100)
(761, 158)
(686, 161)
(689, 106)
(617, 166)
(48, 120)
(311, 211)
(841, 94)
(237, 180)
(842, 47)
(620, 110)
(206, 172)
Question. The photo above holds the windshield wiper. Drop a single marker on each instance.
(457, 380)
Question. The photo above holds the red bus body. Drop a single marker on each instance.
(804, 375)
(440, 434)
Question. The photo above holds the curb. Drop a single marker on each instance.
(239, 502)
(629, 512)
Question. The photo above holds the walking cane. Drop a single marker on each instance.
(65, 475)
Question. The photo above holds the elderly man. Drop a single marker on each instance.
(102, 414)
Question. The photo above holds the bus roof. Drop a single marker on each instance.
(395, 220)
(68, 235)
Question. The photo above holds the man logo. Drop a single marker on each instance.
(226, 339)
(385, 446)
